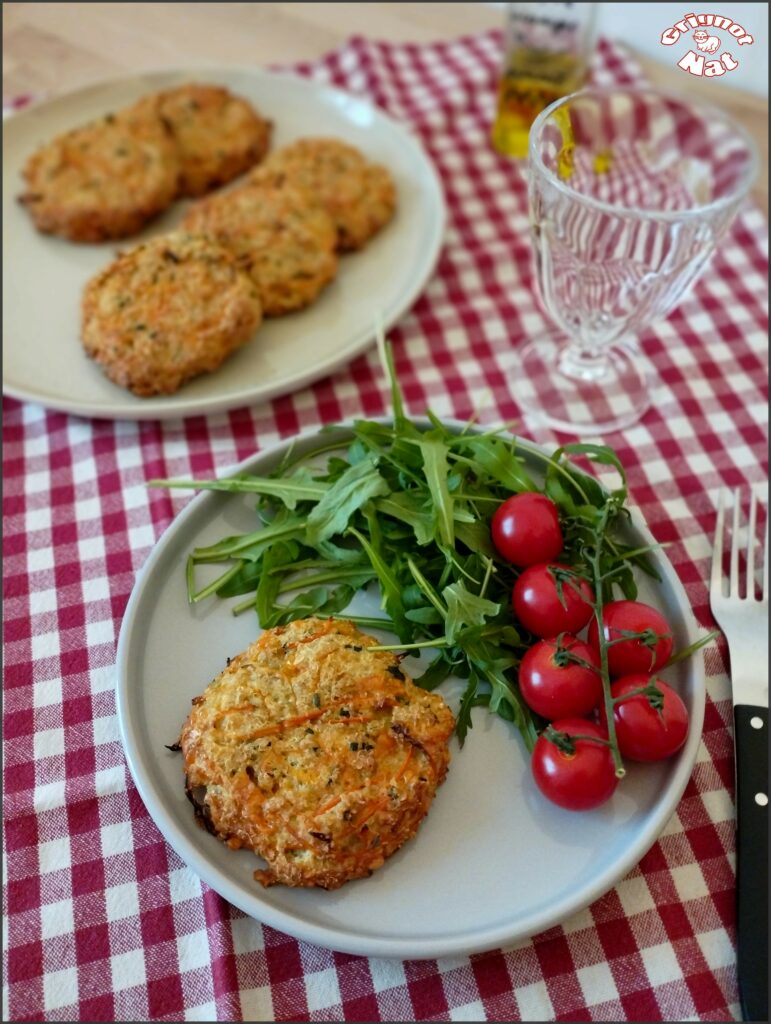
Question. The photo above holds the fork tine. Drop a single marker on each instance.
(733, 585)
(716, 576)
(751, 546)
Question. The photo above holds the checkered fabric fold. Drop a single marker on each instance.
(102, 919)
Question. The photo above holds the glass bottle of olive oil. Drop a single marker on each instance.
(548, 47)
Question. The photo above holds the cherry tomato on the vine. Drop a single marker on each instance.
(560, 678)
(576, 779)
(549, 598)
(646, 732)
(645, 653)
(525, 529)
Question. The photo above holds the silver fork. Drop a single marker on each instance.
(744, 621)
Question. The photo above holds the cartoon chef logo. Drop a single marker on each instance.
(699, 28)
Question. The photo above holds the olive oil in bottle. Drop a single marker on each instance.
(548, 47)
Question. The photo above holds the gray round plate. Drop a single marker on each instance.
(493, 863)
(42, 356)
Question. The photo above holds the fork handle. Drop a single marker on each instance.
(751, 746)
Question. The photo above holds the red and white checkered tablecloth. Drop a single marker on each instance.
(102, 920)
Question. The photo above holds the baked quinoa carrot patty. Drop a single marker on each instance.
(316, 753)
(281, 237)
(218, 135)
(167, 311)
(105, 179)
(359, 196)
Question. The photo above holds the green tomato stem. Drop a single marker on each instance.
(604, 673)
(650, 690)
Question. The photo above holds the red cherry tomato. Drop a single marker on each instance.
(526, 530)
(643, 732)
(642, 654)
(555, 686)
(580, 780)
(549, 599)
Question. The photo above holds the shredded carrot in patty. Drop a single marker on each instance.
(328, 806)
(367, 811)
(300, 841)
(404, 764)
(329, 626)
(287, 723)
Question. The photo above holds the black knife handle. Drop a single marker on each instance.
(751, 746)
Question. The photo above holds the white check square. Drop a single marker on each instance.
(322, 989)
(469, 1011)
(54, 855)
(122, 901)
(60, 988)
(128, 970)
(534, 1002)
(184, 885)
(40, 559)
(117, 838)
(661, 964)
(102, 632)
(717, 948)
(48, 743)
(56, 919)
(193, 951)
(597, 984)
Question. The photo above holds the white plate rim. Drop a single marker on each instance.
(339, 939)
(174, 406)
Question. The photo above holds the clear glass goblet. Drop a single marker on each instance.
(630, 192)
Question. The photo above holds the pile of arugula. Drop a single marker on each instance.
(409, 507)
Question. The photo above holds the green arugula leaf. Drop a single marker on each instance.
(298, 487)
(506, 703)
(436, 673)
(465, 609)
(426, 587)
(250, 546)
(499, 460)
(469, 700)
(270, 582)
(588, 485)
(337, 553)
(476, 537)
(352, 489)
(356, 576)
(389, 585)
(436, 467)
(406, 508)
(318, 601)
(387, 353)
(426, 615)
(243, 582)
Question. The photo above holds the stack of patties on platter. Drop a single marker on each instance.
(108, 178)
(178, 305)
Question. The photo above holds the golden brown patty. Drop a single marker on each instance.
(283, 239)
(167, 311)
(219, 135)
(360, 197)
(319, 755)
(105, 179)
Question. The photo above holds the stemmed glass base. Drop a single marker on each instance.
(566, 389)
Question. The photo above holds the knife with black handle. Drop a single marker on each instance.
(751, 746)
